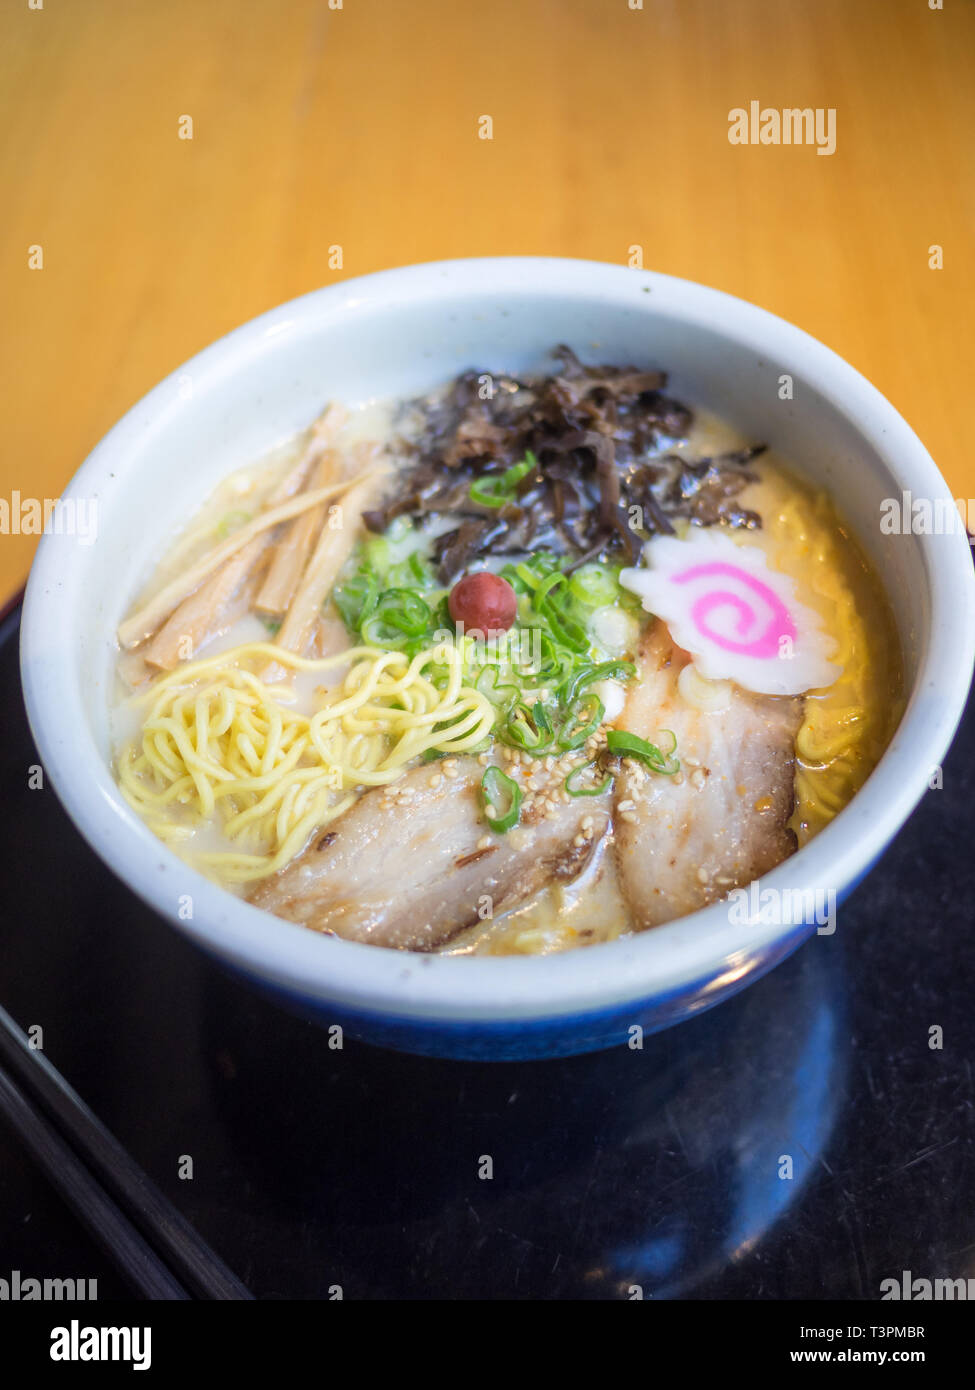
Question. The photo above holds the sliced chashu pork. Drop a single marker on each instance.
(403, 867)
(685, 843)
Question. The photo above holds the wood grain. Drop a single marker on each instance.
(315, 127)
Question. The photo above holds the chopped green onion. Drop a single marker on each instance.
(574, 733)
(594, 585)
(567, 631)
(554, 663)
(420, 570)
(544, 587)
(521, 732)
(487, 491)
(589, 673)
(540, 715)
(378, 553)
(630, 746)
(522, 572)
(572, 781)
(487, 685)
(498, 489)
(399, 615)
(503, 795)
(356, 599)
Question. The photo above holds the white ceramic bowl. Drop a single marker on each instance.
(402, 332)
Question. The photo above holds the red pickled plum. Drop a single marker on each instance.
(484, 603)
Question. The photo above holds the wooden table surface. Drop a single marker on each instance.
(318, 124)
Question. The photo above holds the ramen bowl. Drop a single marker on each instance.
(399, 333)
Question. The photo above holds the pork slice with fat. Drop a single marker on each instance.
(685, 842)
(407, 869)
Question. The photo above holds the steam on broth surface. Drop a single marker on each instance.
(521, 666)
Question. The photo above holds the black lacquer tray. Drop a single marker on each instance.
(802, 1140)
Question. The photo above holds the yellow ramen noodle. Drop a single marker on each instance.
(218, 740)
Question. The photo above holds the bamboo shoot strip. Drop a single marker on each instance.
(200, 614)
(144, 623)
(320, 437)
(295, 546)
(333, 549)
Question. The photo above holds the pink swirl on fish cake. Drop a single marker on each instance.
(780, 624)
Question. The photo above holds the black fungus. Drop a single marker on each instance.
(609, 475)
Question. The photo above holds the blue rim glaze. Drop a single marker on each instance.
(564, 1036)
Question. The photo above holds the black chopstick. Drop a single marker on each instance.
(135, 1259)
(154, 1246)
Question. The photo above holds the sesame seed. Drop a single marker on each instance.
(628, 816)
(485, 842)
